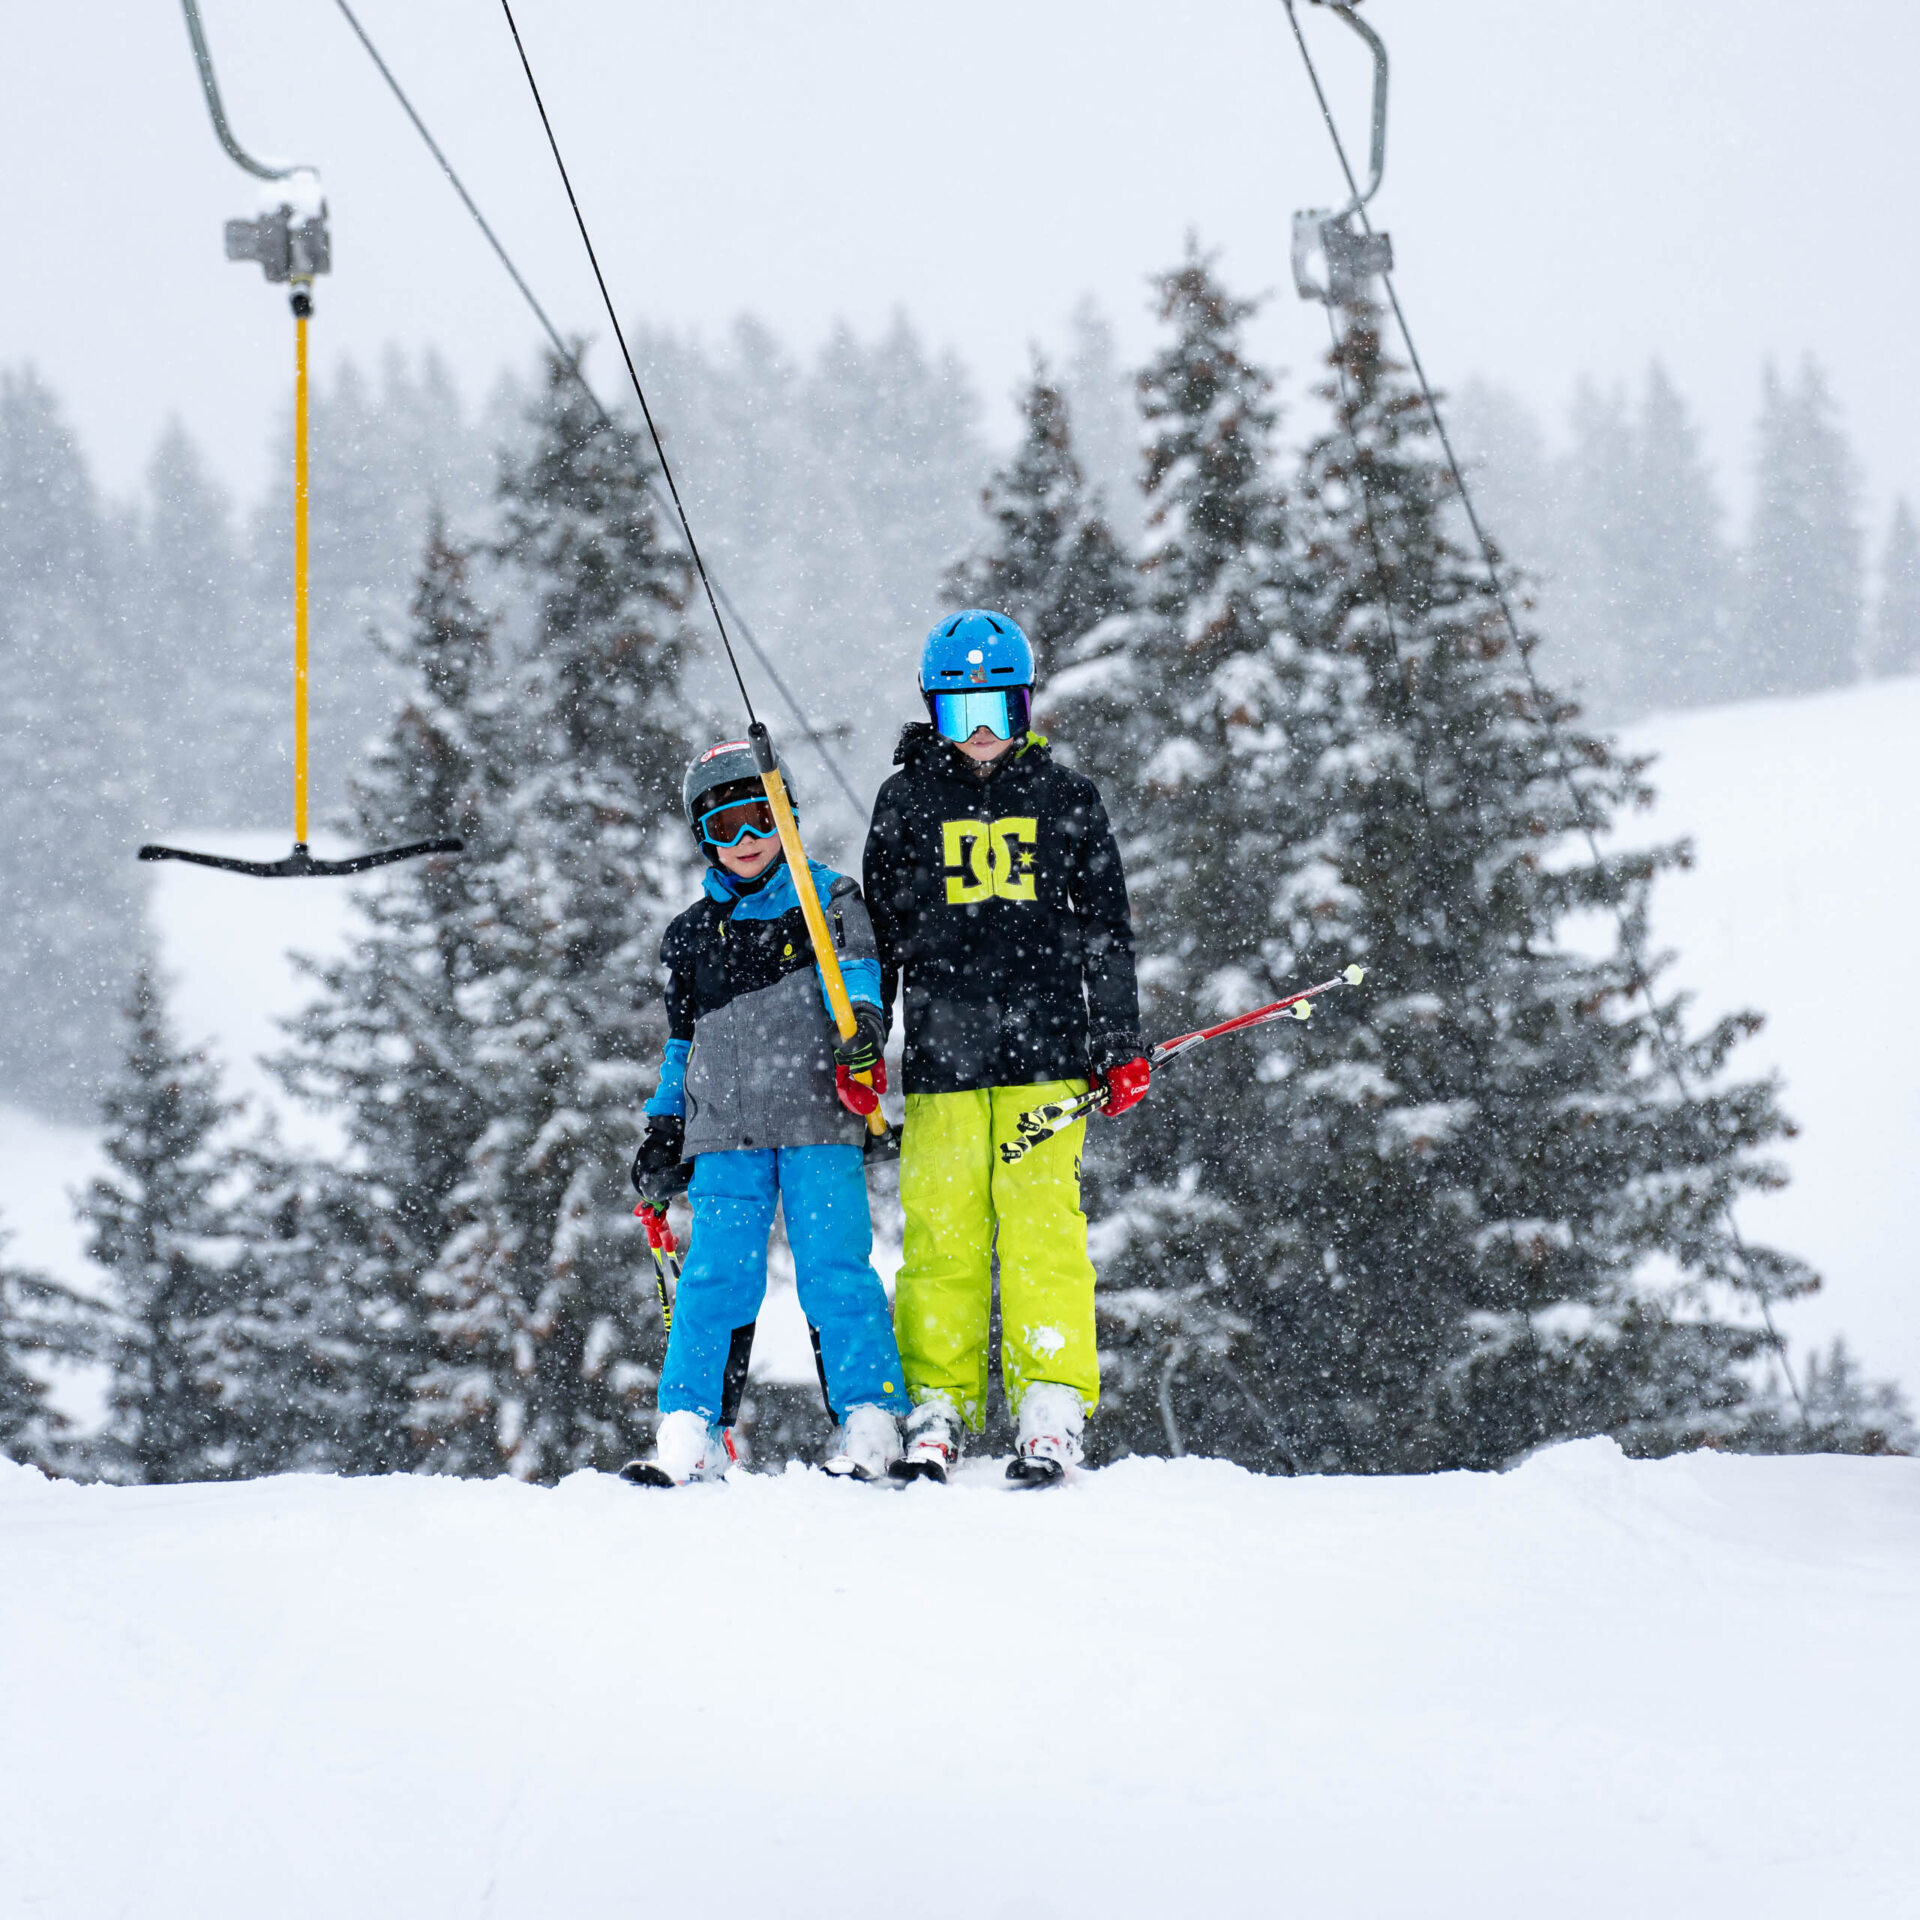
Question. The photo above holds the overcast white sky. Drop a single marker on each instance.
(1570, 188)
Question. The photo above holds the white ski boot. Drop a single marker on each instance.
(933, 1441)
(869, 1443)
(1051, 1423)
(685, 1448)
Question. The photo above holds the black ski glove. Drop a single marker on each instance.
(1107, 1050)
(659, 1172)
(862, 1053)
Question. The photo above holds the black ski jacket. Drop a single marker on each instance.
(1002, 904)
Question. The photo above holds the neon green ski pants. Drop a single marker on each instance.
(963, 1204)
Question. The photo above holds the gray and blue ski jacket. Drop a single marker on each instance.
(750, 1057)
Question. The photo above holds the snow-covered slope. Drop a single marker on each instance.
(1804, 902)
(1584, 1688)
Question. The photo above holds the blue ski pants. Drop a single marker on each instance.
(823, 1191)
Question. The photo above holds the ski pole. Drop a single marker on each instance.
(1039, 1124)
(829, 962)
(666, 1257)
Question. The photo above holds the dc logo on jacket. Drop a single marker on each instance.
(989, 860)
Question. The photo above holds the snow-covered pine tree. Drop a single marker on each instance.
(1051, 561)
(544, 1307)
(1106, 421)
(1478, 1164)
(1189, 712)
(1676, 593)
(211, 697)
(1646, 570)
(1801, 627)
(1839, 1411)
(68, 934)
(1596, 555)
(389, 1047)
(1897, 617)
(40, 1320)
(162, 1224)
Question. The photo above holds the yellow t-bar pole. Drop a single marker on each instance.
(810, 911)
(302, 313)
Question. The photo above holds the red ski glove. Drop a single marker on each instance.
(1126, 1085)
(855, 1097)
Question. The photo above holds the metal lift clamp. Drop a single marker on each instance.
(1351, 252)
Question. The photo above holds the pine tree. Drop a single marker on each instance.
(1472, 1162)
(1802, 616)
(1839, 1411)
(1897, 618)
(1597, 487)
(212, 701)
(1191, 712)
(1099, 393)
(542, 1309)
(1676, 594)
(163, 1226)
(1647, 572)
(1052, 562)
(40, 1321)
(389, 1044)
(68, 935)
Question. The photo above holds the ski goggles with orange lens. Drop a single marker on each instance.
(727, 826)
(1001, 710)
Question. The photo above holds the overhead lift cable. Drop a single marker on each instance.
(771, 777)
(570, 362)
(1368, 254)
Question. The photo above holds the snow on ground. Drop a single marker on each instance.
(226, 943)
(1588, 1687)
(1804, 903)
(45, 1165)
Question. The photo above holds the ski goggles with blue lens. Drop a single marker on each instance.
(727, 826)
(1001, 710)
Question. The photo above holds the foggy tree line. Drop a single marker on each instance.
(1461, 1213)
(1651, 601)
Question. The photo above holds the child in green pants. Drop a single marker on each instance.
(1000, 907)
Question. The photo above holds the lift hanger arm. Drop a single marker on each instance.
(203, 60)
(1377, 153)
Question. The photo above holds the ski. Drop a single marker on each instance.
(907, 1471)
(644, 1473)
(1039, 1124)
(1027, 1472)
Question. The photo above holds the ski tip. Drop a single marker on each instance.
(1026, 1471)
(644, 1473)
(1353, 975)
(911, 1470)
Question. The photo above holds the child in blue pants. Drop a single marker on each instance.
(759, 1095)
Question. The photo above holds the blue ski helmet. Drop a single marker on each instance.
(977, 670)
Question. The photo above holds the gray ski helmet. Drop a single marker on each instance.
(725, 765)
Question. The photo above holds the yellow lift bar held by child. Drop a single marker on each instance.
(292, 245)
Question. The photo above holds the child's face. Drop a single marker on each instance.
(749, 857)
(983, 745)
